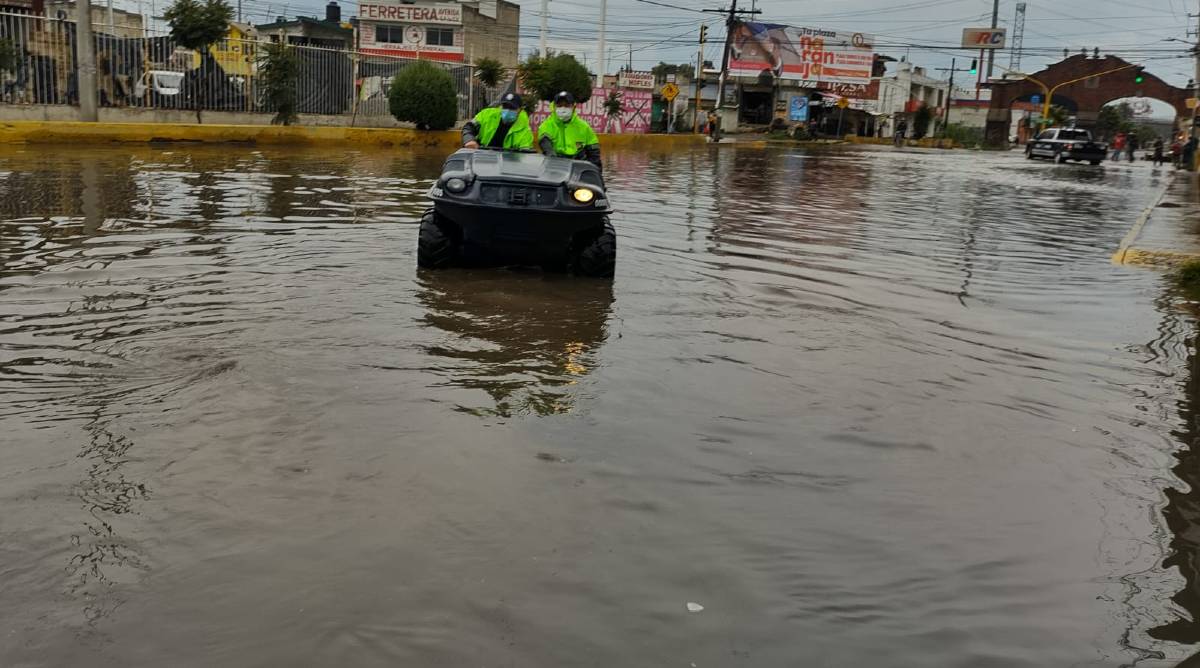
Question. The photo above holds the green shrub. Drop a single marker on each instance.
(8, 56)
(546, 77)
(1188, 274)
(424, 93)
(279, 74)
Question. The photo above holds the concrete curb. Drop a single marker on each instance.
(1127, 254)
(56, 132)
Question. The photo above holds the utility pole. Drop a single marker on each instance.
(992, 52)
(949, 96)
(1194, 132)
(630, 57)
(602, 63)
(730, 23)
(699, 77)
(85, 65)
(545, 26)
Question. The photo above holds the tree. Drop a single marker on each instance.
(1058, 115)
(279, 75)
(424, 93)
(489, 72)
(685, 70)
(612, 108)
(546, 77)
(921, 120)
(197, 25)
(9, 56)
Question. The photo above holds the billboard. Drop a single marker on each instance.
(809, 56)
(983, 38)
(437, 13)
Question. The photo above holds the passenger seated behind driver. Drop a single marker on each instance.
(505, 126)
(565, 134)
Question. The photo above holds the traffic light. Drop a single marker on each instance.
(703, 34)
(1138, 75)
(974, 67)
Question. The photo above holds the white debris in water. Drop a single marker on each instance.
(694, 607)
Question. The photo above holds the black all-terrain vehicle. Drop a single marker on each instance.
(509, 207)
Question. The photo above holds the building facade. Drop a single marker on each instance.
(454, 32)
(330, 33)
(907, 90)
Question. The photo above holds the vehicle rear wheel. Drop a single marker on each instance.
(1061, 159)
(1095, 162)
(598, 257)
(437, 245)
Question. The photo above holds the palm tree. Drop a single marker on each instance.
(489, 72)
(612, 109)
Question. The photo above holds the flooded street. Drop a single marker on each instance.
(867, 408)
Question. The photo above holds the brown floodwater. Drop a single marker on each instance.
(865, 408)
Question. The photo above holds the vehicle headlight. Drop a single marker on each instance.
(583, 195)
(456, 185)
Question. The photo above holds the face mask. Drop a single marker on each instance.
(508, 115)
(564, 113)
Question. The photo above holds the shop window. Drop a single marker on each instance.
(439, 36)
(389, 34)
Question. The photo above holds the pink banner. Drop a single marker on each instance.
(633, 119)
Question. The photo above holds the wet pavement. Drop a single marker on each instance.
(865, 407)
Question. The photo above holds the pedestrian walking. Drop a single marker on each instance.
(1176, 151)
(901, 129)
(1189, 154)
(1158, 151)
(1131, 147)
(1118, 146)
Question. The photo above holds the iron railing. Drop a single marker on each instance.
(139, 68)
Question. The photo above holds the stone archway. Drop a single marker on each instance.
(1089, 95)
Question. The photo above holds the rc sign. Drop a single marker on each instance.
(983, 38)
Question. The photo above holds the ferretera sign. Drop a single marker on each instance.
(445, 14)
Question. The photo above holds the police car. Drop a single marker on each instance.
(1063, 144)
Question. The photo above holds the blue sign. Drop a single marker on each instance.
(1036, 99)
(798, 108)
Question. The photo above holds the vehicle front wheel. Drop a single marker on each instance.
(599, 257)
(1029, 155)
(1095, 162)
(437, 246)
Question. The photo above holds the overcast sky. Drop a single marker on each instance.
(1137, 30)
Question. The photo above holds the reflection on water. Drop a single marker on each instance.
(524, 339)
(867, 407)
(1182, 509)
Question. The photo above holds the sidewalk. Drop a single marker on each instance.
(1168, 231)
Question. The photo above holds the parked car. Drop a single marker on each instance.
(1063, 144)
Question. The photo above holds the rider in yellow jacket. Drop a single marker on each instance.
(565, 134)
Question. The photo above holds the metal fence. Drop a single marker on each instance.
(151, 71)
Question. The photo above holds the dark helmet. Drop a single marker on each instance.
(510, 101)
(564, 99)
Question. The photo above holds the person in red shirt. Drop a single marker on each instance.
(1118, 146)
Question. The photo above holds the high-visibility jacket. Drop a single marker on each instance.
(570, 138)
(520, 134)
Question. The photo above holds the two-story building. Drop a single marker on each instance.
(463, 31)
(902, 93)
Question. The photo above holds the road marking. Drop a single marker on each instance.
(1123, 256)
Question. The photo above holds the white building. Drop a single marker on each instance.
(905, 91)
(461, 31)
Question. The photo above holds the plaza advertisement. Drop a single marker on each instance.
(808, 56)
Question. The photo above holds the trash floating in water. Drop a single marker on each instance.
(694, 607)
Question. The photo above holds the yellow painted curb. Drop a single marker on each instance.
(1127, 254)
(1155, 258)
(59, 132)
